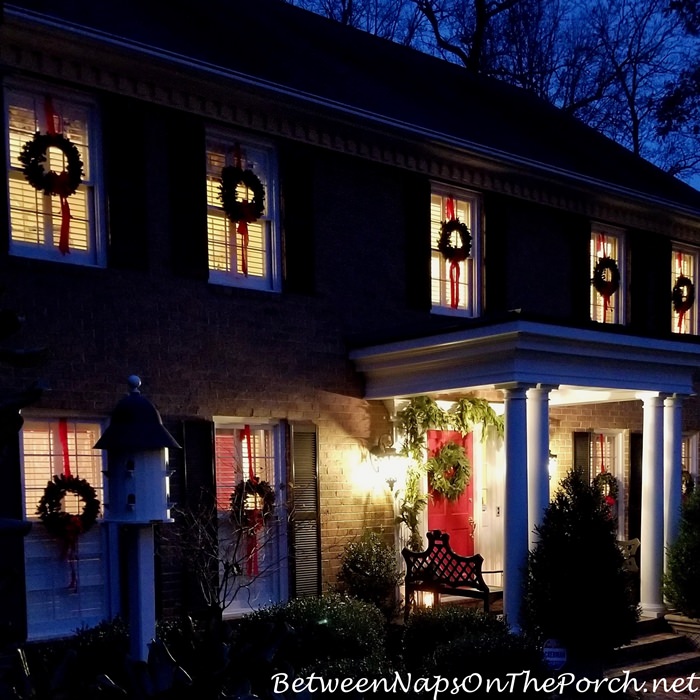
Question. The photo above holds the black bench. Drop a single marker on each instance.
(439, 570)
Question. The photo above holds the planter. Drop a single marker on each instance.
(687, 626)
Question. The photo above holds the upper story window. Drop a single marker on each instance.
(607, 270)
(243, 234)
(684, 265)
(455, 233)
(53, 178)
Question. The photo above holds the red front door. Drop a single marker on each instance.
(453, 517)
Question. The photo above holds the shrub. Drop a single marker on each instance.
(455, 641)
(332, 631)
(682, 579)
(576, 588)
(370, 572)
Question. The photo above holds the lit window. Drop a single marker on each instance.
(607, 277)
(243, 253)
(455, 277)
(257, 549)
(684, 317)
(65, 586)
(51, 226)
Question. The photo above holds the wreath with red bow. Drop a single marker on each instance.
(449, 471)
(451, 252)
(33, 157)
(606, 277)
(683, 295)
(608, 486)
(263, 494)
(234, 208)
(60, 523)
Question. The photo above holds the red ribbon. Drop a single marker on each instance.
(454, 264)
(74, 526)
(252, 540)
(63, 439)
(58, 185)
(681, 313)
(606, 297)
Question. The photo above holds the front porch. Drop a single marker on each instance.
(551, 382)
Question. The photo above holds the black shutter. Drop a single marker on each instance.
(416, 204)
(198, 460)
(125, 158)
(297, 172)
(305, 531)
(4, 203)
(185, 170)
(582, 454)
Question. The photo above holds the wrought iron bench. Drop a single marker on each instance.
(439, 570)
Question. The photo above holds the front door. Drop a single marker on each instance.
(454, 517)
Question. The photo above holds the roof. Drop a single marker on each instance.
(280, 45)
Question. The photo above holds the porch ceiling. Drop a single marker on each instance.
(582, 365)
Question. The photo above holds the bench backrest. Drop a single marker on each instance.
(439, 564)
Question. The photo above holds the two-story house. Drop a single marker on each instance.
(288, 228)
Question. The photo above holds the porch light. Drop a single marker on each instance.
(553, 464)
(386, 460)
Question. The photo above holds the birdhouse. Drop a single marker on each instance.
(137, 443)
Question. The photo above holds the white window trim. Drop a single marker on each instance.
(273, 283)
(96, 202)
(621, 260)
(475, 226)
(279, 543)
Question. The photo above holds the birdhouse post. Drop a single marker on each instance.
(138, 496)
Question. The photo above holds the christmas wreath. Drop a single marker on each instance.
(67, 526)
(683, 295)
(33, 157)
(606, 277)
(449, 251)
(687, 483)
(608, 486)
(449, 471)
(251, 518)
(235, 209)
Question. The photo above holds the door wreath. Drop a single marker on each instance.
(687, 483)
(449, 471)
(60, 523)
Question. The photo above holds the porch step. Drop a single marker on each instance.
(655, 652)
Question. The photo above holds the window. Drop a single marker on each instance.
(455, 284)
(242, 254)
(684, 264)
(65, 590)
(48, 226)
(246, 451)
(608, 276)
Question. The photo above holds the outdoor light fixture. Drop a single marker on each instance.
(384, 459)
(553, 464)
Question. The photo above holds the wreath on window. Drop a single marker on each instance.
(687, 483)
(234, 208)
(608, 486)
(243, 516)
(606, 277)
(60, 523)
(449, 471)
(449, 251)
(683, 295)
(33, 156)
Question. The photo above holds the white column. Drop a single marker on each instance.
(515, 518)
(537, 457)
(652, 539)
(672, 469)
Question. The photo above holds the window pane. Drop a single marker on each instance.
(36, 219)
